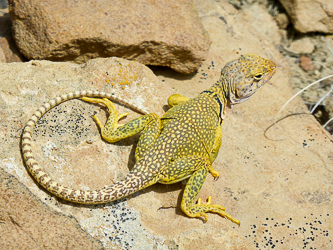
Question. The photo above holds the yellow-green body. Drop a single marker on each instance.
(182, 144)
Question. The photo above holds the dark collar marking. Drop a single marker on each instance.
(214, 95)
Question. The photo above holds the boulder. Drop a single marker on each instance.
(163, 33)
(8, 50)
(310, 16)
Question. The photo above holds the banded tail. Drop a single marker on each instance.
(117, 190)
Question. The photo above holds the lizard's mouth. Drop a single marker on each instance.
(235, 99)
(245, 97)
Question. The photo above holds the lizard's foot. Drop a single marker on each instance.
(200, 210)
(111, 107)
(104, 101)
(215, 174)
(120, 117)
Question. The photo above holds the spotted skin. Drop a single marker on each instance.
(182, 144)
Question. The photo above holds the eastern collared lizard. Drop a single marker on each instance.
(182, 144)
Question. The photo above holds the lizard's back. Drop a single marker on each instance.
(187, 129)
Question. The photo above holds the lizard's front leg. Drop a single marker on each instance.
(149, 125)
(176, 99)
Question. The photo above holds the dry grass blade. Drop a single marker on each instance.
(324, 78)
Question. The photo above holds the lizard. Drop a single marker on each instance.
(181, 144)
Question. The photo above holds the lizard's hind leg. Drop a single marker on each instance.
(192, 188)
(149, 125)
(195, 167)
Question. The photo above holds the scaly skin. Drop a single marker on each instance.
(182, 144)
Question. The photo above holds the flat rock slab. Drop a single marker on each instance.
(68, 145)
(164, 33)
(28, 223)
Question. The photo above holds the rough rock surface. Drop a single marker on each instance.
(8, 51)
(310, 16)
(262, 21)
(28, 223)
(2, 56)
(66, 137)
(164, 33)
(306, 63)
(278, 183)
(302, 46)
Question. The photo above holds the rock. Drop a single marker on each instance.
(26, 222)
(306, 63)
(164, 33)
(257, 15)
(282, 20)
(8, 51)
(269, 178)
(2, 56)
(67, 136)
(3, 4)
(302, 45)
(310, 16)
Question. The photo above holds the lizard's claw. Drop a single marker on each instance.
(215, 174)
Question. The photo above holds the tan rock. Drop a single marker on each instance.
(164, 33)
(282, 20)
(2, 56)
(28, 223)
(306, 63)
(8, 51)
(258, 16)
(310, 16)
(302, 45)
(269, 179)
(67, 136)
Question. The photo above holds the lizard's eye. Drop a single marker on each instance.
(258, 77)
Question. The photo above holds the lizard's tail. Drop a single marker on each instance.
(116, 191)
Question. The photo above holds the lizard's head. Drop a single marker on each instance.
(245, 76)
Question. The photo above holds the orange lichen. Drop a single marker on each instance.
(125, 76)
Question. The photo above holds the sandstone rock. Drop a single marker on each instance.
(306, 63)
(164, 33)
(263, 22)
(310, 16)
(5, 23)
(302, 45)
(269, 179)
(8, 51)
(28, 223)
(67, 136)
(282, 20)
(2, 56)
